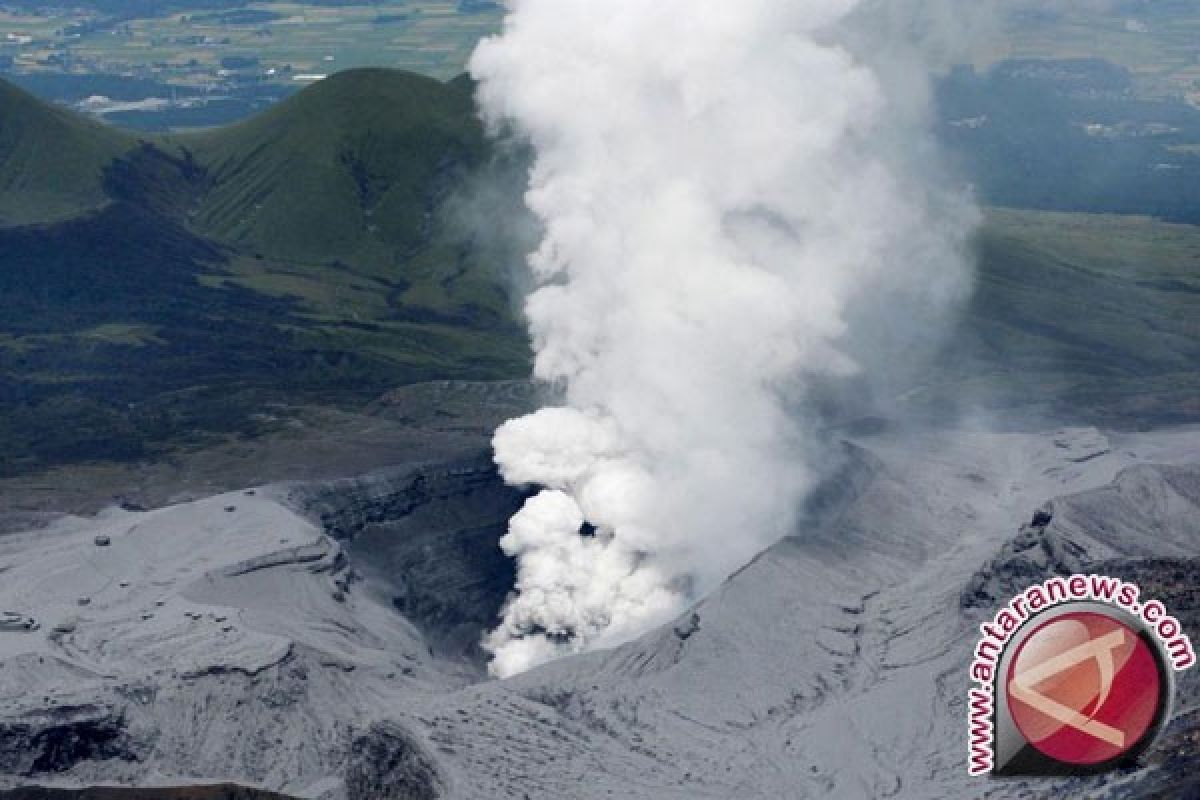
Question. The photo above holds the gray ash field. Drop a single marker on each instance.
(314, 637)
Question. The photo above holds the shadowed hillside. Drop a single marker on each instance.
(51, 160)
(172, 288)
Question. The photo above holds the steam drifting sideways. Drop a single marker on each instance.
(729, 192)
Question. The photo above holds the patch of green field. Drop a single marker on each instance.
(433, 38)
(337, 293)
(1082, 317)
(43, 27)
(1159, 42)
(126, 335)
(1116, 247)
(119, 334)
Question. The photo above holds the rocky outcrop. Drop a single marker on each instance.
(429, 534)
(1034, 555)
(56, 739)
(386, 763)
(1149, 512)
(346, 508)
(323, 556)
(1173, 774)
(223, 791)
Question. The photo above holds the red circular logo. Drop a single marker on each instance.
(1084, 688)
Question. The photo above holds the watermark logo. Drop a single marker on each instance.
(1084, 688)
(1073, 676)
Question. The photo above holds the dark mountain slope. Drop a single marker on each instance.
(51, 160)
(202, 278)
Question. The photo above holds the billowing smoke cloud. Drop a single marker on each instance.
(739, 199)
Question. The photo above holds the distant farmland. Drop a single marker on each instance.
(269, 41)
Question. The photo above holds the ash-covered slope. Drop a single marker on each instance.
(209, 640)
(201, 792)
(835, 665)
(426, 541)
(265, 644)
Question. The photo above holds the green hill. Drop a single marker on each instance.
(350, 167)
(341, 187)
(51, 160)
(160, 291)
(178, 285)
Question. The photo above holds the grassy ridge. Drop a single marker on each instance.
(51, 160)
(346, 169)
(302, 256)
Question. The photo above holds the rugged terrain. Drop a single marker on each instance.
(250, 558)
(318, 637)
(862, 615)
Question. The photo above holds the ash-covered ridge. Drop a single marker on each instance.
(314, 638)
(212, 639)
(836, 664)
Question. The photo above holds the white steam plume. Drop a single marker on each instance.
(733, 193)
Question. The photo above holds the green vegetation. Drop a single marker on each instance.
(1156, 40)
(304, 256)
(51, 161)
(169, 292)
(1088, 317)
(201, 43)
(365, 157)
